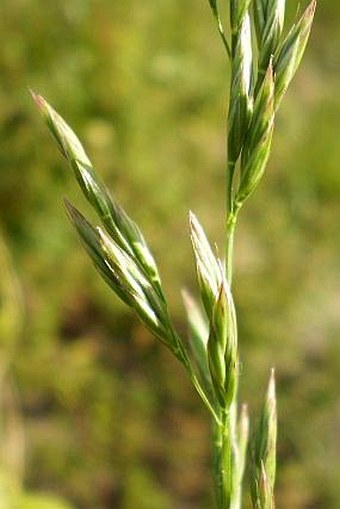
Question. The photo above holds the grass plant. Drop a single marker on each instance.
(263, 58)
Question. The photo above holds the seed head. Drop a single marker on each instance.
(264, 453)
(289, 54)
(122, 229)
(207, 265)
(199, 333)
(257, 145)
(240, 96)
(269, 20)
(222, 347)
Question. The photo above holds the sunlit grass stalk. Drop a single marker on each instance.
(259, 78)
(260, 73)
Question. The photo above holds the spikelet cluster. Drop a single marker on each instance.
(263, 63)
(260, 76)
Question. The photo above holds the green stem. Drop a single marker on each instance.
(222, 463)
(184, 359)
(228, 476)
(231, 224)
(222, 34)
(230, 187)
(232, 212)
(203, 396)
(220, 28)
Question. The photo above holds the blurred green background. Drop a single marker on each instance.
(93, 410)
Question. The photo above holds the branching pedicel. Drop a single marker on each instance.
(260, 76)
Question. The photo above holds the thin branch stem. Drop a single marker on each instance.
(231, 224)
(222, 34)
(232, 212)
(230, 187)
(184, 359)
(203, 396)
(216, 13)
(223, 462)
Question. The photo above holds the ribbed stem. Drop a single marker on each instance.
(222, 463)
(231, 224)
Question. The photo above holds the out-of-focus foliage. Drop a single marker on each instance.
(109, 418)
(12, 494)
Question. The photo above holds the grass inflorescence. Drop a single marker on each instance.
(264, 57)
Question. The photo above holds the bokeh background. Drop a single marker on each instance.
(94, 413)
